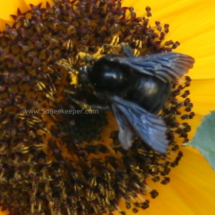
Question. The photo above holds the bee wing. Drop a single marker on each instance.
(125, 129)
(133, 118)
(165, 66)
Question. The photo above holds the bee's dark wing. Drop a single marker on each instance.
(132, 118)
(165, 66)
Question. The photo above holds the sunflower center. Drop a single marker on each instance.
(58, 162)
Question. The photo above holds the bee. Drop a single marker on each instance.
(136, 89)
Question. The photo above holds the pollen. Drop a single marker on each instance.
(54, 157)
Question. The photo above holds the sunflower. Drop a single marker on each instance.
(191, 188)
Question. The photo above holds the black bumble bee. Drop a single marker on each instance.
(136, 89)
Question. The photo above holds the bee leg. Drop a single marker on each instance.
(87, 107)
(127, 50)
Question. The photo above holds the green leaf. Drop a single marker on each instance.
(204, 139)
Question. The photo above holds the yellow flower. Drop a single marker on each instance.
(191, 190)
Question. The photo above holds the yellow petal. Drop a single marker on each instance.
(11, 6)
(197, 179)
(191, 190)
(36, 2)
(8, 8)
(203, 95)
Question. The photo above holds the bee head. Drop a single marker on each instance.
(83, 75)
